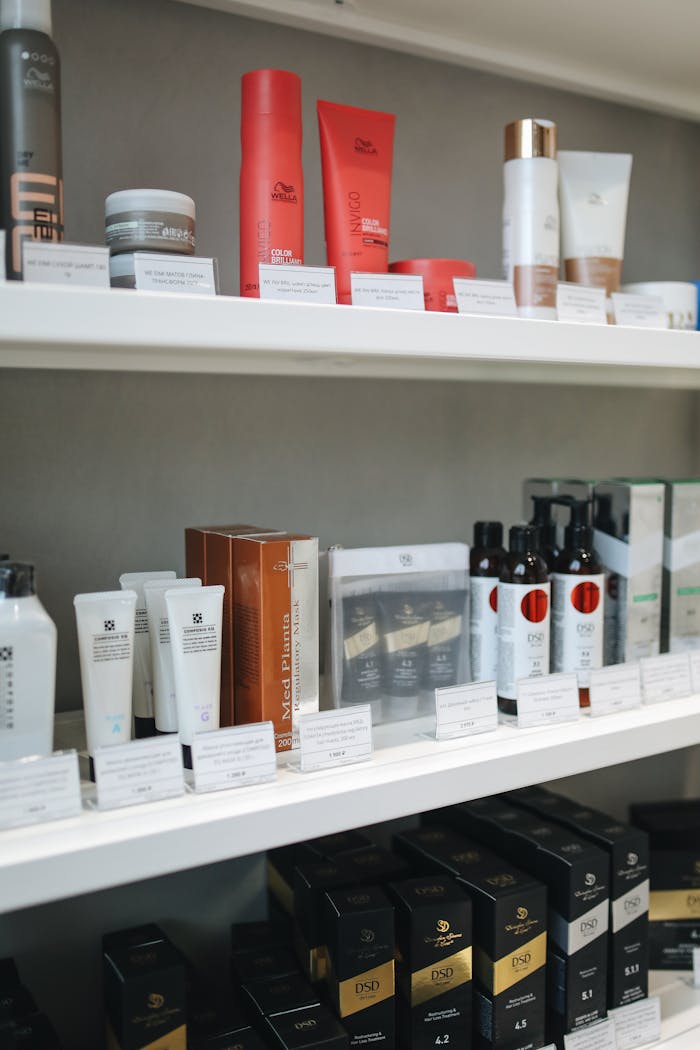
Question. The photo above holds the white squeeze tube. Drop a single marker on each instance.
(105, 623)
(196, 615)
(164, 705)
(144, 718)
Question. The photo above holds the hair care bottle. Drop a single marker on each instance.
(546, 528)
(485, 560)
(578, 590)
(272, 183)
(531, 216)
(31, 179)
(523, 616)
(604, 521)
(27, 666)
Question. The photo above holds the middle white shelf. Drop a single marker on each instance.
(408, 773)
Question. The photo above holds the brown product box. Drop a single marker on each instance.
(209, 556)
(275, 587)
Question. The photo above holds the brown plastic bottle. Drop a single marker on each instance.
(485, 560)
(578, 604)
(523, 616)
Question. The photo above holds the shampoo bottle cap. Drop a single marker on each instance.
(488, 534)
(542, 518)
(26, 14)
(273, 94)
(578, 534)
(523, 538)
(16, 580)
(531, 137)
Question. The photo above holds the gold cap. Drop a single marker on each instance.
(531, 137)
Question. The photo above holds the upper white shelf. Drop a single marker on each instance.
(642, 54)
(121, 330)
(97, 850)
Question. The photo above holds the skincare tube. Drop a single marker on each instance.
(356, 159)
(164, 703)
(144, 718)
(405, 629)
(593, 191)
(195, 615)
(105, 623)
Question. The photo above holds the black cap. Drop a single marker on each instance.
(542, 518)
(16, 579)
(523, 538)
(578, 534)
(488, 534)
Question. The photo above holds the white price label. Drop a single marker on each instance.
(578, 302)
(666, 677)
(615, 688)
(642, 311)
(491, 298)
(140, 771)
(696, 967)
(3, 274)
(694, 656)
(236, 757)
(637, 1024)
(335, 738)
(301, 284)
(185, 274)
(400, 291)
(548, 700)
(600, 1036)
(462, 710)
(34, 790)
(48, 262)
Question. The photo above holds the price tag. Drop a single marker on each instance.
(462, 710)
(637, 1024)
(3, 274)
(694, 657)
(578, 302)
(236, 757)
(141, 771)
(47, 262)
(400, 291)
(335, 738)
(34, 790)
(696, 967)
(548, 700)
(186, 274)
(491, 298)
(642, 311)
(615, 688)
(666, 677)
(301, 284)
(600, 1036)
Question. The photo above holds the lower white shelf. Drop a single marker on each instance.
(408, 773)
(680, 1009)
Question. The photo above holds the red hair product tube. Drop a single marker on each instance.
(356, 157)
(272, 182)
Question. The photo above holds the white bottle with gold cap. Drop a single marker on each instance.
(531, 216)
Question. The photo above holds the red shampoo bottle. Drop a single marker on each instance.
(272, 183)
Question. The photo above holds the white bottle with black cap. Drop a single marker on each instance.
(31, 176)
(27, 666)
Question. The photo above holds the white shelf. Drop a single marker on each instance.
(680, 1009)
(614, 52)
(119, 330)
(97, 850)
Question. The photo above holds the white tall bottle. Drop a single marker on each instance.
(27, 666)
(531, 216)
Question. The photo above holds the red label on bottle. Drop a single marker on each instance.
(493, 599)
(585, 597)
(534, 606)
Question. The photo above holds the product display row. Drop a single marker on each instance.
(590, 189)
(500, 924)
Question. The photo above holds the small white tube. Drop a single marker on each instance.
(195, 616)
(143, 674)
(164, 704)
(593, 192)
(105, 623)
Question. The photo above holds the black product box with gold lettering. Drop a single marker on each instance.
(434, 963)
(313, 1028)
(510, 935)
(360, 946)
(674, 898)
(145, 991)
(311, 882)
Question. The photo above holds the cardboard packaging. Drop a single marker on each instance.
(214, 1021)
(434, 962)
(360, 944)
(674, 899)
(276, 631)
(145, 990)
(312, 880)
(282, 861)
(209, 554)
(279, 996)
(313, 1028)
(680, 613)
(262, 964)
(29, 1033)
